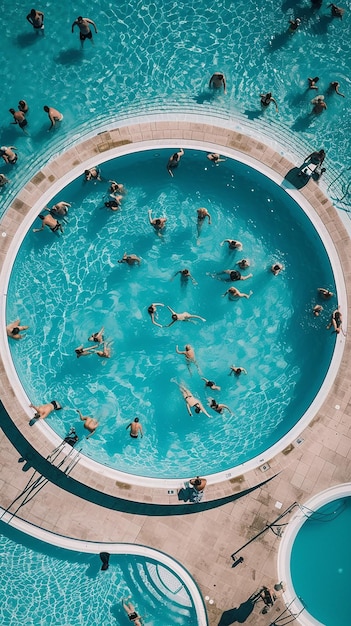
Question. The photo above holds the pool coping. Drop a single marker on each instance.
(95, 547)
(284, 552)
(141, 136)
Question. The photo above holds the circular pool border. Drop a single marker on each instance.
(284, 574)
(56, 174)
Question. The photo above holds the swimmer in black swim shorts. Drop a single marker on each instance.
(84, 28)
(135, 428)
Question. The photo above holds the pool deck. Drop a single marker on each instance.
(202, 541)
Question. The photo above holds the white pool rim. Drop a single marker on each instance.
(93, 547)
(284, 554)
(56, 187)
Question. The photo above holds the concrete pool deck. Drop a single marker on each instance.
(203, 541)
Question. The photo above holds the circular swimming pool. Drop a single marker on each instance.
(68, 286)
(315, 558)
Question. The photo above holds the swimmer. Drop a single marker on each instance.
(43, 410)
(97, 337)
(232, 244)
(3, 180)
(233, 275)
(60, 208)
(135, 429)
(131, 612)
(116, 187)
(319, 105)
(191, 401)
(105, 353)
(36, 19)
(215, 158)
(336, 321)
(237, 370)
(336, 11)
(202, 213)
(184, 276)
(294, 24)
(152, 310)
(6, 152)
(92, 174)
(266, 99)
(13, 330)
(173, 161)
(243, 264)
(276, 268)
(51, 222)
(212, 385)
(312, 82)
(334, 86)
(317, 309)
(84, 28)
(158, 223)
(233, 292)
(182, 317)
(219, 408)
(325, 293)
(90, 423)
(20, 119)
(54, 115)
(115, 203)
(130, 259)
(189, 354)
(81, 351)
(23, 106)
(217, 81)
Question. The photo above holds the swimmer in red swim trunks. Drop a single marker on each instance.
(84, 28)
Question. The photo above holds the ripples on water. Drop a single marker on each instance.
(68, 286)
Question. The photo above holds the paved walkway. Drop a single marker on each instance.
(202, 541)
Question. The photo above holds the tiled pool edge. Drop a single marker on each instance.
(94, 149)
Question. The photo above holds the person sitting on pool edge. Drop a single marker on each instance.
(43, 410)
(198, 487)
(131, 612)
(135, 429)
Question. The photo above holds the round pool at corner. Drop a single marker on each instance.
(213, 198)
(314, 559)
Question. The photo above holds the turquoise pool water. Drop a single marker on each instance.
(42, 585)
(321, 563)
(151, 56)
(67, 286)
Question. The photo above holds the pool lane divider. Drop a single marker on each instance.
(49, 472)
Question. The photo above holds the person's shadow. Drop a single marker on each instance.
(71, 56)
(278, 40)
(204, 96)
(253, 114)
(238, 614)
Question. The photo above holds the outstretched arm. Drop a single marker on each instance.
(91, 22)
(73, 25)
